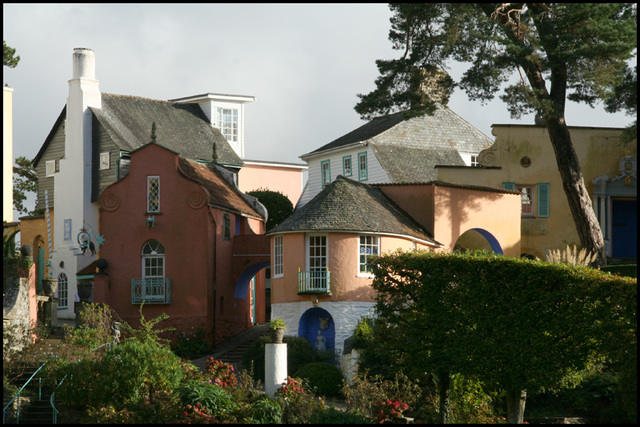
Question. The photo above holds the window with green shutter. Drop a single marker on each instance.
(543, 200)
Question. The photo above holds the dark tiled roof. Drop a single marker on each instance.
(364, 132)
(443, 130)
(347, 205)
(414, 164)
(222, 194)
(180, 127)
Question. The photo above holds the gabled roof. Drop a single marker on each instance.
(222, 194)
(350, 206)
(180, 127)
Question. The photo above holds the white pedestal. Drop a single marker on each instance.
(275, 364)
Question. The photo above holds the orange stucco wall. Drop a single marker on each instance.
(448, 212)
(346, 283)
(202, 293)
(286, 180)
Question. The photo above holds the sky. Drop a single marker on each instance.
(304, 64)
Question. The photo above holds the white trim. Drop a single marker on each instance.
(404, 236)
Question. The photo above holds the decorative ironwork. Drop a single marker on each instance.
(153, 290)
(314, 282)
(533, 226)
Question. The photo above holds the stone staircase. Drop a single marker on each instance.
(232, 350)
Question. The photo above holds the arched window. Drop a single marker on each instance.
(153, 269)
(63, 291)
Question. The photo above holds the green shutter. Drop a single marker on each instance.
(543, 200)
(509, 186)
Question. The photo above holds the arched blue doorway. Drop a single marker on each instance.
(243, 282)
(493, 242)
(318, 319)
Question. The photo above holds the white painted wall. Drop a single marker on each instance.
(345, 315)
(375, 173)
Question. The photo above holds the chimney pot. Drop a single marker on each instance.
(84, 63)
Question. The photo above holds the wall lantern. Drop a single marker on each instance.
(151, 222)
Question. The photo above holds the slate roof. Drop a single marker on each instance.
(180, 127)
(222, 194)
(346, 205)
(443, 130)
(414, 164)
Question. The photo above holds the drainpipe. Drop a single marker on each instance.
(215, 269)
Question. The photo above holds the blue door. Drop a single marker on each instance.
(624, 228)
(317, 326)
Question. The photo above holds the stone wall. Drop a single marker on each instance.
(16, 315)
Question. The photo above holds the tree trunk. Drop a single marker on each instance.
(515, 406)
(585, 220)
(445, 404)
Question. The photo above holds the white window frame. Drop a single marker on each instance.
(227, 122)
(153, 203)
(314, 259)
(63, 291)
(368, 244)
(347, 166)
(67, 230)
(527, 198)
(51, 167)
(474, 161)
(105, 161)
(278, 256)
(153, 264)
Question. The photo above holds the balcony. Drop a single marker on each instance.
(155, 290)
(314, 282)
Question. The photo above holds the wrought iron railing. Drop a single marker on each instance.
(154, 290)
(314, 282)
(18, 394)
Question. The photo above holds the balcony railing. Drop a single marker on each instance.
(155, 290)
(314, 282)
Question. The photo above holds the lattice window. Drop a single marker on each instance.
(153, 194)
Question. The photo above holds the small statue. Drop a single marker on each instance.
(320, 342)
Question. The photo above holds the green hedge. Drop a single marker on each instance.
(628, 270)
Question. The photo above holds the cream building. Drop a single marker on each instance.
(523, 159)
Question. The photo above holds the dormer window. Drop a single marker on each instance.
(227, 122)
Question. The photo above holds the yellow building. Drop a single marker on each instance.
(522, 158)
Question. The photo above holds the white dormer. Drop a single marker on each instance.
(225, 112)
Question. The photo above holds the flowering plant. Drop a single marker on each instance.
(386, 410)
(297, 404)
(221, 373)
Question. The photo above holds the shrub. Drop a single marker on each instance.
(220, 373)
(299, 353)
(325, 378)
(366, 392)
(296, 402)
(215, 399)
(125, 376)
(192, 343)
(266, 411)
(330, 415)
(97, 327)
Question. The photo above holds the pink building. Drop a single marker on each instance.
(181, 238)
(320, 282)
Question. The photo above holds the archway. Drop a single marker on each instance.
(317, 321)
(478, 238)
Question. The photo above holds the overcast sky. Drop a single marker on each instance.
(304, 63)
